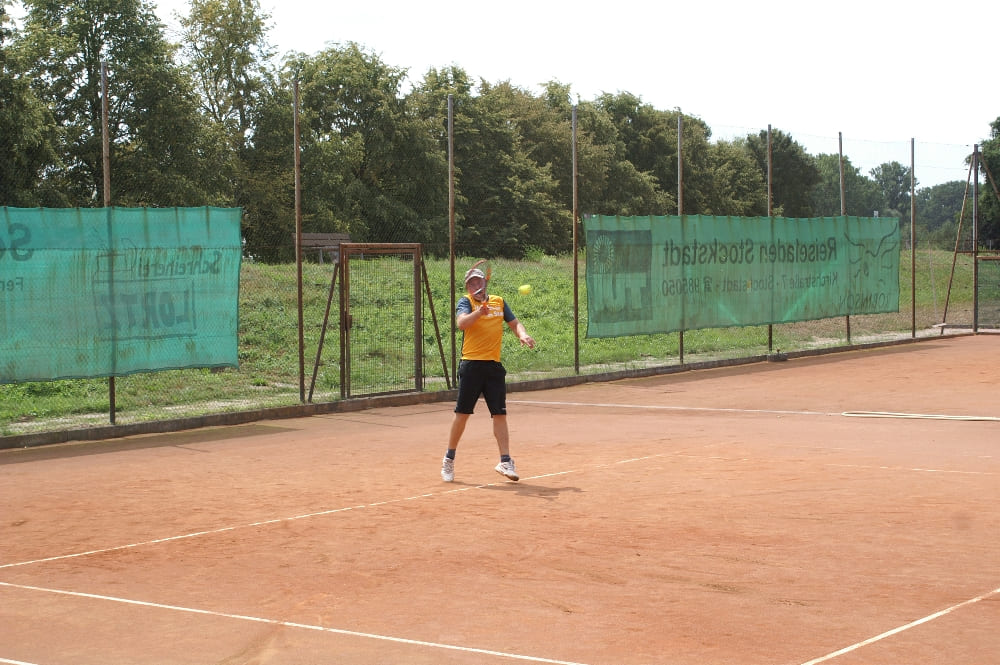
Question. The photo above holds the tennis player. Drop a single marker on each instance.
(480, 316)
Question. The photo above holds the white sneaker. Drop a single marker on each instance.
(448, 470)
(507, 469)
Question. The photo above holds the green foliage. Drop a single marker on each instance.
(989, 197)
(737, 184)
(894, 181)
(30, 139)
(370, 164)
(861, 196)
(794, 173)
(642, 177)
(160, 155)
(939, 207)
(210, 121)
(226, 51)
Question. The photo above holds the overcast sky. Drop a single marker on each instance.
(881, 72)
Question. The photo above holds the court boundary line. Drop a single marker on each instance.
(287, 624)
(667, 407)
(7, 661)
(318, 513)
(928, 416)
(452, 647)
(783, 412)
(900, 629)
(389, 638)
(911, 469)
(375, 504)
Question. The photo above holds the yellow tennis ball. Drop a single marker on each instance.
(524, 289)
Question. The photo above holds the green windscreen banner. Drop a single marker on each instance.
(90, 292)
(662, 274)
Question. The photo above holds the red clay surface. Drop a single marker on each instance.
(725, 516)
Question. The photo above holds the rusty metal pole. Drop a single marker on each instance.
(913, 239)
(298, 244)
(843, 211)
(106, 152)
(975, 238)
(680, 209)
(451, 229)
(770, 214)
(576, 256)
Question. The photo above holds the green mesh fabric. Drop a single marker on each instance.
(88, 292)
(650, 275)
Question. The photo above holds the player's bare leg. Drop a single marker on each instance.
(454, 436)
(502, 434)
(457, 429)
(506, 465)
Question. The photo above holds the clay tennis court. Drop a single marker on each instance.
(741, 515)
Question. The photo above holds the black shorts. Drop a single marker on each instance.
(482, 377)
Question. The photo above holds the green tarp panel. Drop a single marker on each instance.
(662, 274)
(89, 292)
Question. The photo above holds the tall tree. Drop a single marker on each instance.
(547, 127)
(609, 183)
(649, 141)
(793, 172)
(893, 179)
(862, 196)
(28, 136)
(268, 176)
(507, 197)
(737, 187)
(938, 210)
(160, 153)
(989, 205)
(531, 192)
(370, 165)
(597, 150)
(225, 46)
(939, 205)
(716, 180)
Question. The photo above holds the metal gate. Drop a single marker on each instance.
(383, 349)
(381, 319)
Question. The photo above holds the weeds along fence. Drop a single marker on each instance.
(268, 381)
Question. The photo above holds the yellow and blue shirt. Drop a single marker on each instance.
(482, 340)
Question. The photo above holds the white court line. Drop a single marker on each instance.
(374, 504)
(279, 520)
(438, 645)
(7, 661)
(181, 537)
(913, 469)
(661, 407)
(405, 640)
(287, 624)
(928, 416)
(847, 414)
(894, 631)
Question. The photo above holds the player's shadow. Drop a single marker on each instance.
(536, 491)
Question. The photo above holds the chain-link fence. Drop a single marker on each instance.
(520, 217)
(269, 375)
